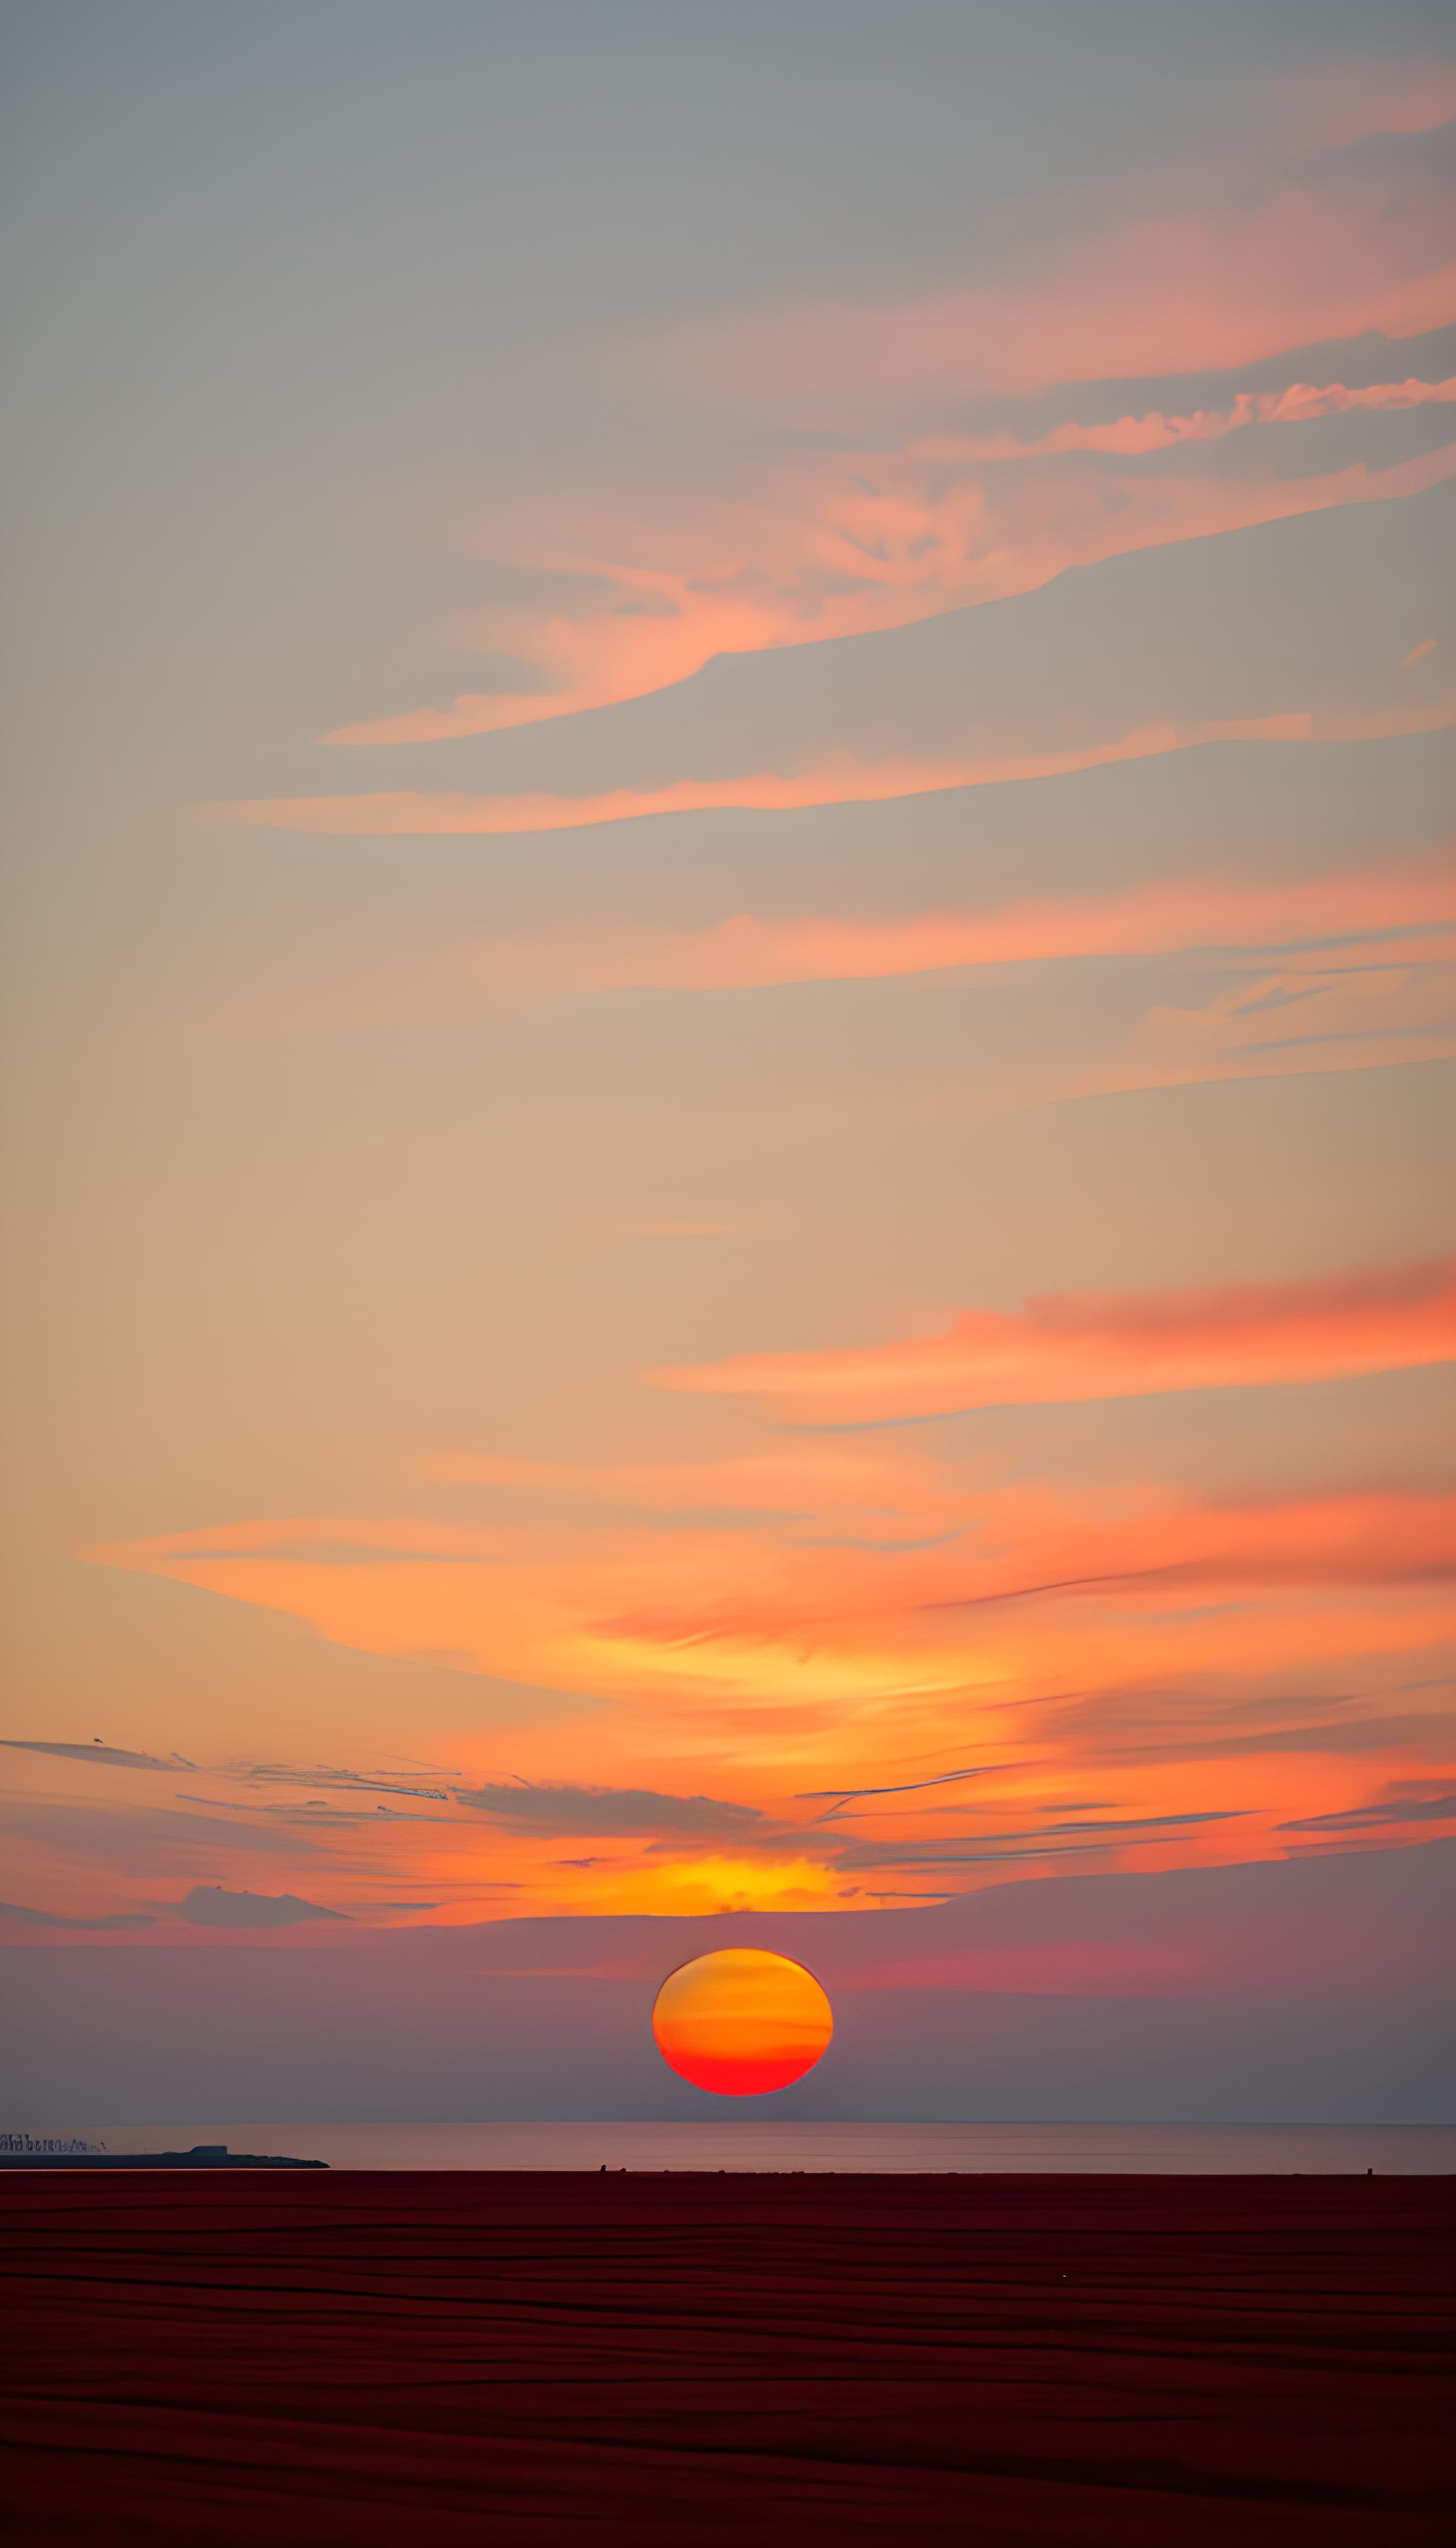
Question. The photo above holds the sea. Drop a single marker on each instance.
(777, 2147)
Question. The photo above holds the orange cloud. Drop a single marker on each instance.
(1028, 1643)
(745, 953)
(1038, 1595)
(1035, 1593)
(856, 543)
(1078, 1346)
(419, 814)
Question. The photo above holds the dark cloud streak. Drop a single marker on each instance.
(943, 1779)
(570, 1813)
(107, 1753)
(1357, 1818)
(208, 1906)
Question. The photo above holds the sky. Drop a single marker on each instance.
(730, 1013)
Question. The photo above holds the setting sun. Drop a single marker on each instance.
(740, 2022)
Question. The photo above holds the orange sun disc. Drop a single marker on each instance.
(740, 2022)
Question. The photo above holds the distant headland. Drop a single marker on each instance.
(45, 2150)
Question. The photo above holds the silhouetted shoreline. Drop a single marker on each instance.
(204, 2155)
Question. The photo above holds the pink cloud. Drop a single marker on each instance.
(746, 952)
(1179, 292)
(856, 543)
(1130, 437)
(1078, 1346)
(1387, 995)
(420, 813)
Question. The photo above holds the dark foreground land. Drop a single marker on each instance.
(1099, 2362)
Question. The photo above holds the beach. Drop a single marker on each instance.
(1119, 2361)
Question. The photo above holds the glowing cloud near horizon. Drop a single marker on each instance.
(740, 2022)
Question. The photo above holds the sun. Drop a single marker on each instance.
(740, 2022)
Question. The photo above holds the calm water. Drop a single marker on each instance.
(891, 2150)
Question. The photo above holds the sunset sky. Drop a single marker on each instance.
(732, 971)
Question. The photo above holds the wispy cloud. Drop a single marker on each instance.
(1378, 1817)
(1336, 254)
(208, 1906)
(918, 1857)
(904, 1787)
(1205, 1716)
(842, 543)
(1134, 435)
(422, 813)
(249, 1773)
(280, 1774)
(313, 1814)
(855, 544)
(1052, 1840)
(107, 1753)
(748, 953)
(581, 1813)
(1226, 264)
(1066, 1347)
(689, 1610)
